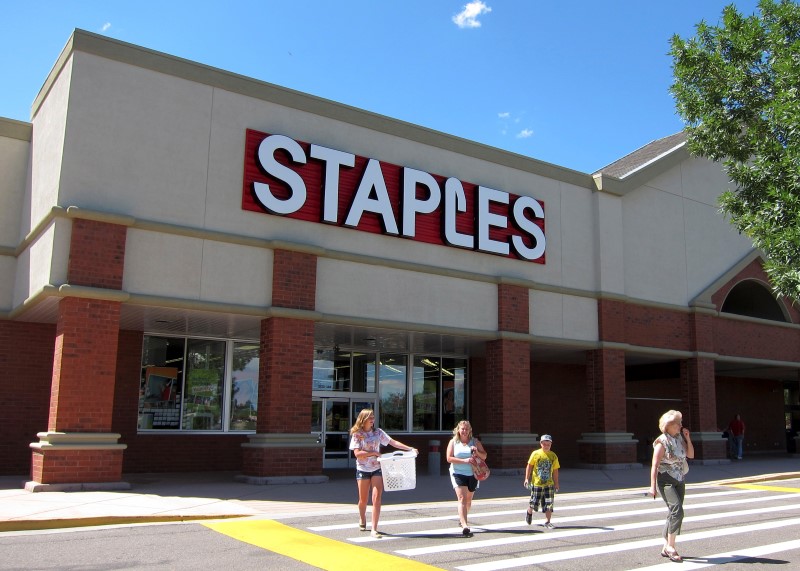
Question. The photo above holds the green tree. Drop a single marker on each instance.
(736, 88)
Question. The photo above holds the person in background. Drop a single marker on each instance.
(736, 436)
(667, 472)
(365, 442)
(541, 476)
(460, 454)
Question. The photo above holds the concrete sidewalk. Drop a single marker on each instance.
(216, 495)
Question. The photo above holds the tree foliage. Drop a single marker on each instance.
(736, 88)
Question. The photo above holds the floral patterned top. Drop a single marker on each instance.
(371, 442)
(674, 456)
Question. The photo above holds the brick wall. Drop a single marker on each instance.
(96, 254)
(294, 280)
(513, 308)
(761, 341)
(558, 407)
(26, 370)
(84, 365)
(507, 401)
(643, 325)
(76, 466)
(605, 390)
(285, 367)
(760, 402)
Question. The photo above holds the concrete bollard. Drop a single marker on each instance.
(434, 458)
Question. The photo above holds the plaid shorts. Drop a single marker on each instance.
(542, 495)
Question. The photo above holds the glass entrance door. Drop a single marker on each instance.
(331, 419)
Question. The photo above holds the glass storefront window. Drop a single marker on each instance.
(244, 387)
(364, 372)
(436, 386)
(187, 384)
(202, 395)
(454, 376)
(161, 384)
(392, 379)
(425, 390)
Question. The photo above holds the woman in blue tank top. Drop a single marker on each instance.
(460, 454)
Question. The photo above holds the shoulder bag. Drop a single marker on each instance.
(480, 469)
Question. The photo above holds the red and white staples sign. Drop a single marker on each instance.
(304, 181)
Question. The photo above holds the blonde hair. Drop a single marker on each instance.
(456, 437)
(362, 420)
(667, 418)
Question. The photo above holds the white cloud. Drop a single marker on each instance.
(504, 115)
(106, 26)
(468, 17)
(525, 133)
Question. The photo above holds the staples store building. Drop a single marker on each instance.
(201, 271)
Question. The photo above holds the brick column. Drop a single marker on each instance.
(283, 448)
(607, 445)
(507, 405)
(698, 389)
(79, 451)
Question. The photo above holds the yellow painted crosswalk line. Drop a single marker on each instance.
(315, 550)
(766, 488)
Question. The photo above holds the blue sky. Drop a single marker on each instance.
(576, 83)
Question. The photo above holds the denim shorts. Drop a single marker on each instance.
(368, 475)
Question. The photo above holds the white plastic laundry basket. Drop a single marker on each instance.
(399, 471)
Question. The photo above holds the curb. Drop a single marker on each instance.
(44, 524)
(755, 479)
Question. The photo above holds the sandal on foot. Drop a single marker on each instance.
(376, 534)
(672, 556)
(362, 527)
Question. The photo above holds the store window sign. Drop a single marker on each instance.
(310, 182)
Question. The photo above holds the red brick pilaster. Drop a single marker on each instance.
(607, 443)
(698, 389)
(283, 445)
(507, 392)
(79, 447)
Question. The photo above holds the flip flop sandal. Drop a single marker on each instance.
(672, 556)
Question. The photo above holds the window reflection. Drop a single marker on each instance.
(202, 397)
(392, 380)
(244, 387)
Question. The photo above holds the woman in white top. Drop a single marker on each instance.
(366, 442)
(670, 451)
(460, 453)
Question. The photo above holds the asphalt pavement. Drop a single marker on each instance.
(164, 497)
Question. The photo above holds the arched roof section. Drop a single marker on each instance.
(752, 298)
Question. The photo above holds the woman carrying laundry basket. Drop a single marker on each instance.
(366, 442)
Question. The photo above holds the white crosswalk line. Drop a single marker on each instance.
(479, 544)
(523, 504)
(619, 547)
(728, 556)
(658, 508)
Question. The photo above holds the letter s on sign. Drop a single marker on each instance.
(528, 226)
(266, 158)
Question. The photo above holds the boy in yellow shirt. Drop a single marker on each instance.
(543, 466)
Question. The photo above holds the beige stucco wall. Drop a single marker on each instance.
(14, 155)
(44, 261)
(676, 242)
(563, 316)
(185, 267)
(374, 292)
(49, 128)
